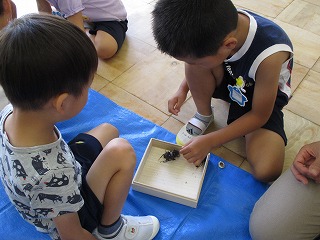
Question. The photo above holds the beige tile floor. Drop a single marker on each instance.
(142, 79)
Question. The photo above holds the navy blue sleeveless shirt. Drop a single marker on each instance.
(264, 39)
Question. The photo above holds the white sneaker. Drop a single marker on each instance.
(139, 228)
(185, 136)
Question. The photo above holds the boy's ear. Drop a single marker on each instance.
(59, 103)
(230, 42)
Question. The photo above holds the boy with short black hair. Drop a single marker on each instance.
(236, 56)
(70, 191)
(106, 19)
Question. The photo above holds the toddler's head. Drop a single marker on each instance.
(43, 56)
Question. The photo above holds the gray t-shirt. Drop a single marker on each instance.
(42, 182)
(93, 10)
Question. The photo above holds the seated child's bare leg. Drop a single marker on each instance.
(265, 153)
(105, 132)
(105, 44)
(202, 83)
(110, 179)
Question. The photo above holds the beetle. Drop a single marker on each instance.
(170, 155)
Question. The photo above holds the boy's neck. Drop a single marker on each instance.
(241, 32)
(30, 128)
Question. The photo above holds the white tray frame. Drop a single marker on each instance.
(181, 198)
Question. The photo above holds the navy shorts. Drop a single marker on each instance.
(275, 122)
(115, 28)
(86, 149)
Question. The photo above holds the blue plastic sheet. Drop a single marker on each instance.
(226, 201)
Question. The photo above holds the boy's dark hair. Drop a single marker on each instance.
(192, 28)
(43, 56)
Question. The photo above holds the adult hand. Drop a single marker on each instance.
(307, 163)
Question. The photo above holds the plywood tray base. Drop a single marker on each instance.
(177, 180)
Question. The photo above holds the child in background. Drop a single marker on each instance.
(8, 11)
(107, 20)
(66, 190)
(236, 56)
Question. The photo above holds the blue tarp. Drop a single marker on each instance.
(226, 201)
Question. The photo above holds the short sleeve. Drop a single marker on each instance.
(67, 7)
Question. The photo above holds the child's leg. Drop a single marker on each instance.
(104, 133)
(202, 83)
(108, 37)
(288, 210)
(105, 44)
(111, 174)
(110, 178)
(265, 153)
(265, 148)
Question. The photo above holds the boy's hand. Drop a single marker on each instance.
(177, 100)
(175, 103)
(196, 150)
(307, 163)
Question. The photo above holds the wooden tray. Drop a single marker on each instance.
(177, 181)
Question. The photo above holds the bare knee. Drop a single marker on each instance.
(107, 127)
(265, 172)
(265, 153)
(266, 167)
(105, 44)
(122, 152)
(104, 133)
(106, 51)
